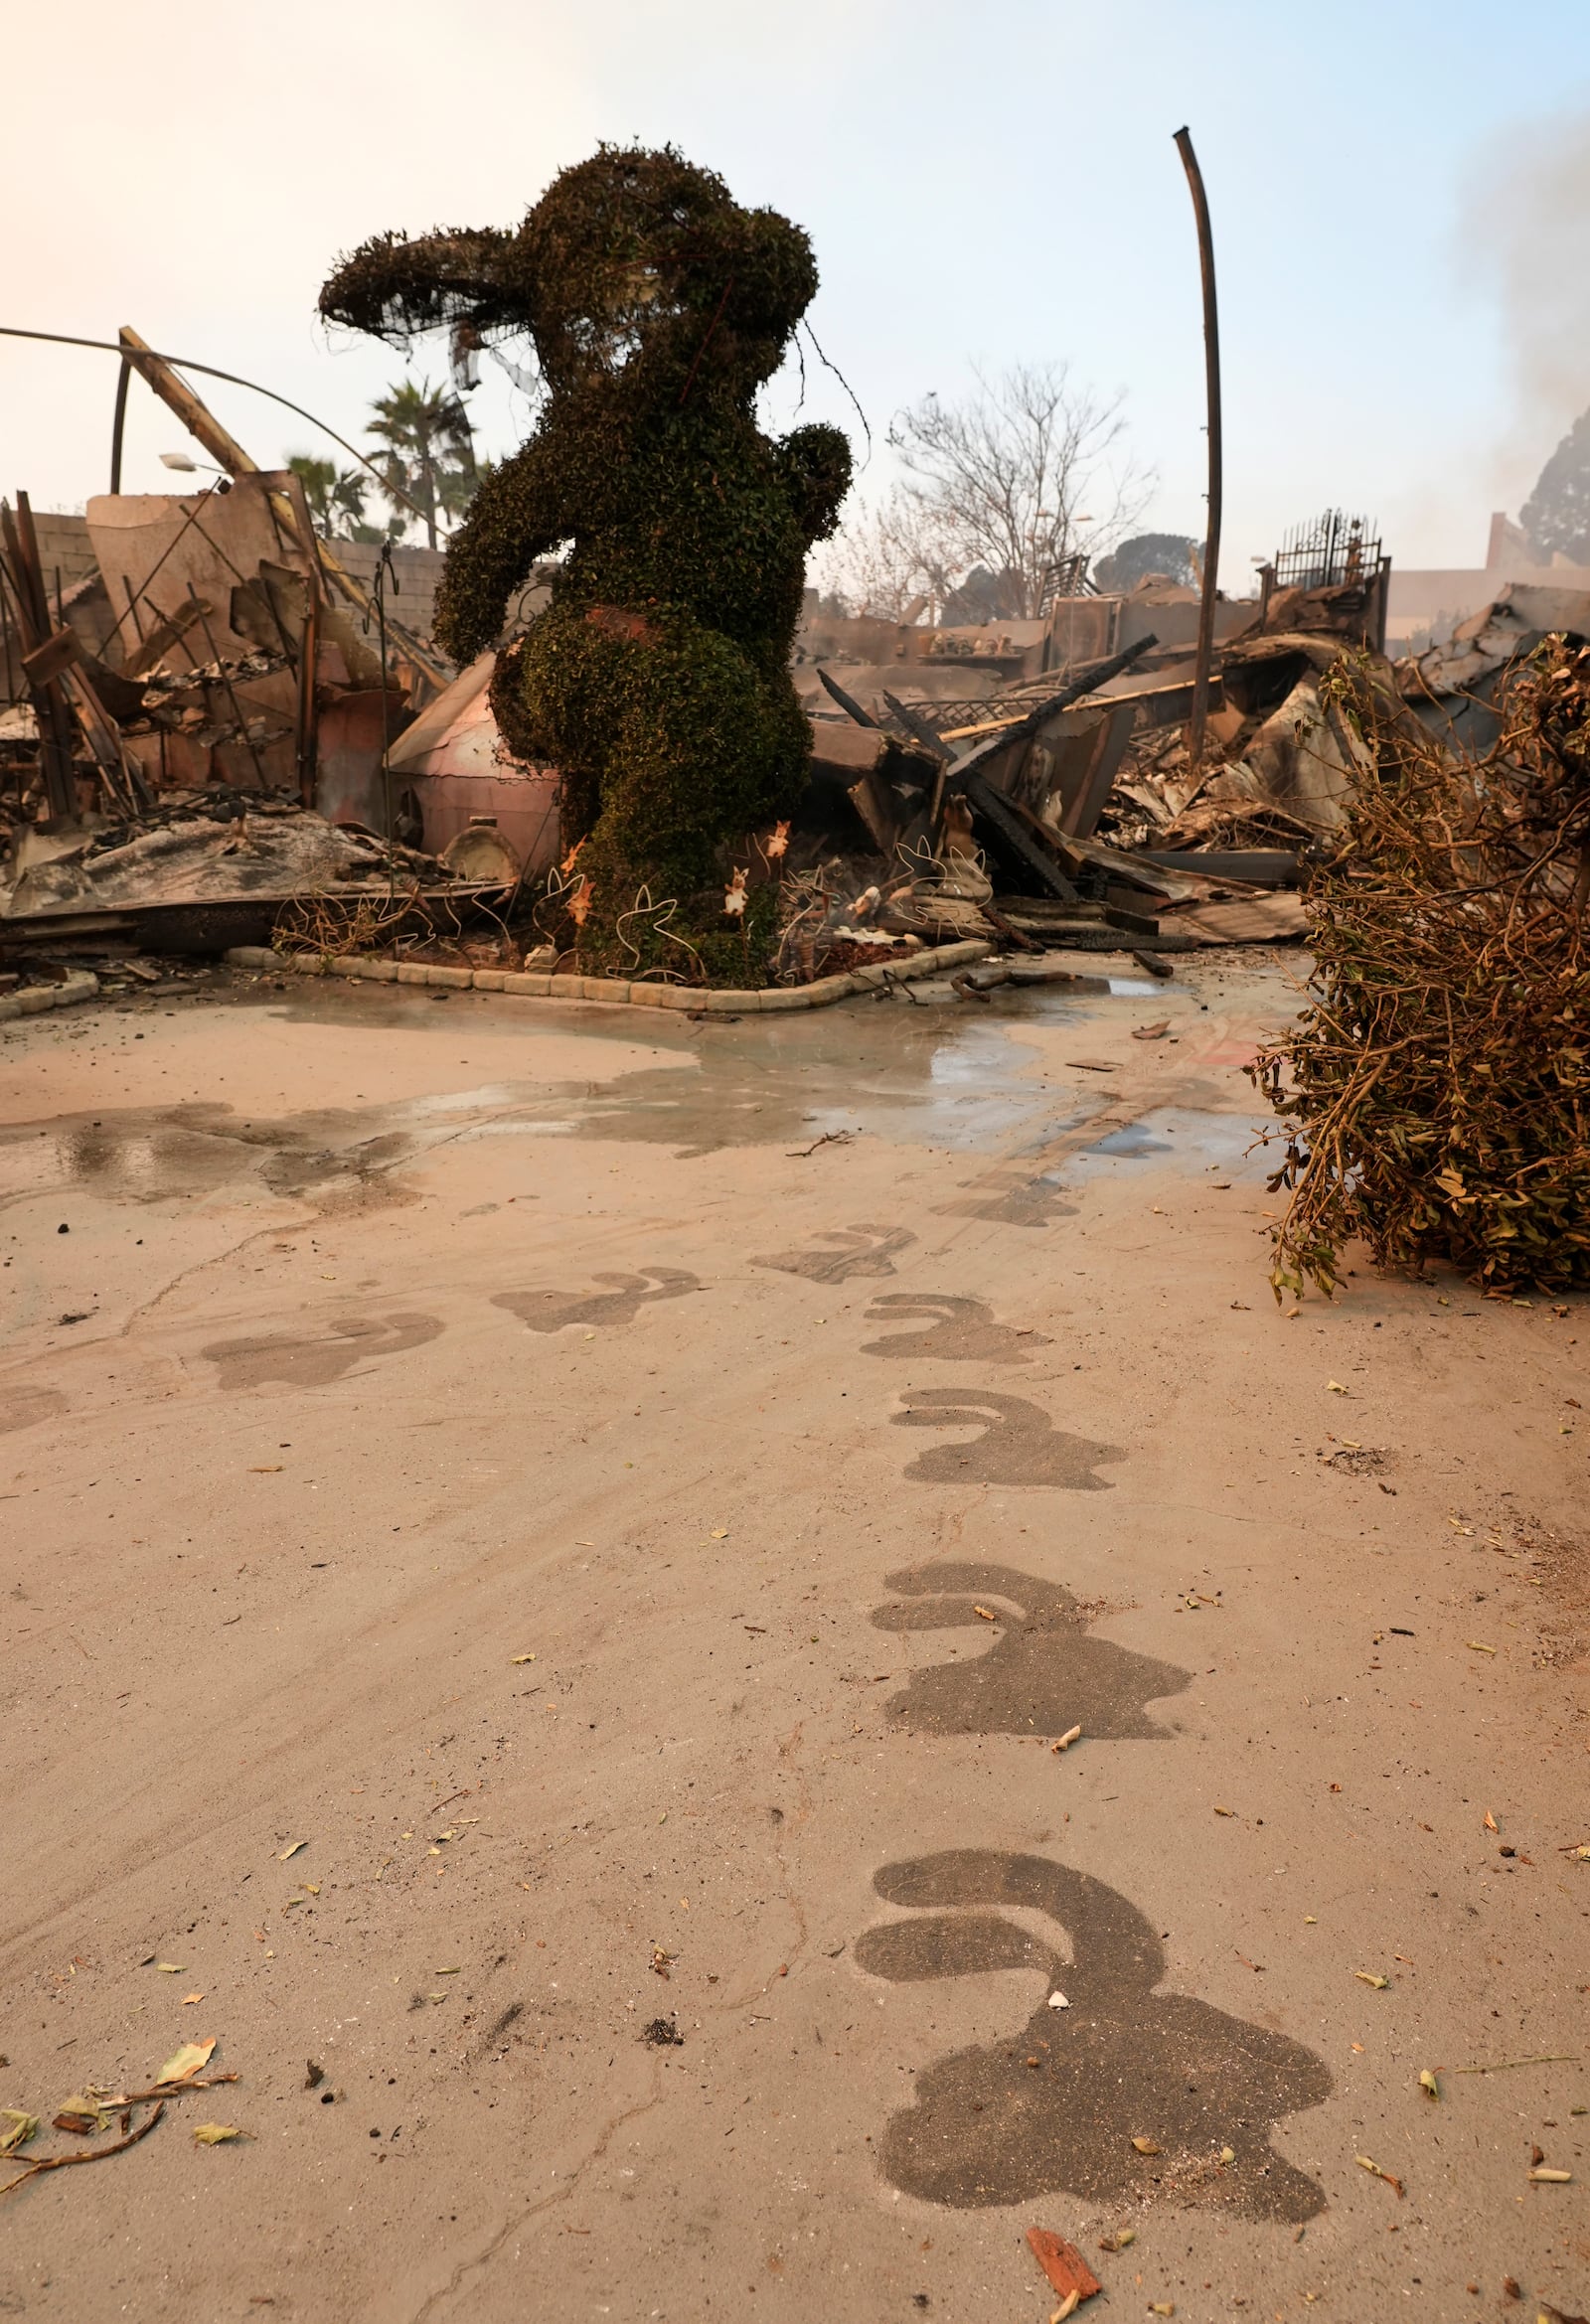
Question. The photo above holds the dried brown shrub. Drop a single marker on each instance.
(1435, 1090)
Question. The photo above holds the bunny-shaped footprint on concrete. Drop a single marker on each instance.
(1011, 1199)
(554, 1311)
(1019, 1443)
(1059, 2107)
(856, 1250)
(315, 1359)
(951, 1330)
(1041, 1674)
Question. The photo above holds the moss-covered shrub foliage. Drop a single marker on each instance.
(658, 677)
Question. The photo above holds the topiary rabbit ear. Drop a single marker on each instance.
(392, 287)
(949, 1944)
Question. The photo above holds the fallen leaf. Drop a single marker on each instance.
(292, 1851)
(16, 2129)
(1228, 2154)
(185, 2063)
(1057, 2000)
(189, 1999)
(1225, 1811)
(1147, 2146)
(983, 1614)
(84, 2116)
(720, 1534)
(1118, 2241)
(1334, 1388)
(215, 2133)
(1475, 1648)
(455, 1972)
(171, 1968)
(521, 1657)
(1490, 1823)
(1428, 2084)
(1162, 2307)
(1062, 2264)
(1374, 2170)
(1064, 1743)
(1544, 2178)
(1067, 2307)
(1367, 1978)
(1152, 1032)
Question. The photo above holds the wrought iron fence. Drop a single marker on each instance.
(1328, 549)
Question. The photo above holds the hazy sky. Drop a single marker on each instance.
(1400, 196)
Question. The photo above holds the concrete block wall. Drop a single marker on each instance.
(64, 548)
(417, 572)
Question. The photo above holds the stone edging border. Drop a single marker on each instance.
(79, 985)
(931, 961)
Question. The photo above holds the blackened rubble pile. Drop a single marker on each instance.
(194, 847)
(1053, 797)
(219, 718)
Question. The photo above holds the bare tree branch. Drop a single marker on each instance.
(1018, 479)
(888, 561)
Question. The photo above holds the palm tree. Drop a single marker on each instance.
(336, 497)
(429, 454)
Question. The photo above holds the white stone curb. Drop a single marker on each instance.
(715, 1003)
(79, 985)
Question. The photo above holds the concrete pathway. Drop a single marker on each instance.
(549, 1566)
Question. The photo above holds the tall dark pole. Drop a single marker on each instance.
(1211, 373)
(118, 424)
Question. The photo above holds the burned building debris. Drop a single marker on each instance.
(216, 717)
(647, 767)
